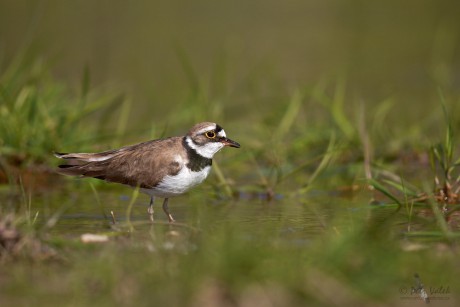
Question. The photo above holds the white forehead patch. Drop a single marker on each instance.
(222, 133)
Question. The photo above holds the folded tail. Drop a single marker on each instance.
(83, 164)
(85, 157)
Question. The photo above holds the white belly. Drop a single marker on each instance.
(183, 181)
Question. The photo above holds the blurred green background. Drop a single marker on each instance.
(322, 95)
(244, 54)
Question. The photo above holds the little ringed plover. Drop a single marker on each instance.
(160, 168)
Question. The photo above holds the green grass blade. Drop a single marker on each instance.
(338, 110)
(402, 188)
(292, 111)
(382, 189)
(325, 161)
(129, 209)
(222, 180)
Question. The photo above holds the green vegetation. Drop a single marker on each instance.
(39, 114)
(269, 239)
(346, 186)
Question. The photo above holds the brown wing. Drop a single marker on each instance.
(143, 164)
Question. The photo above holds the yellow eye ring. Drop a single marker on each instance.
(210, 135)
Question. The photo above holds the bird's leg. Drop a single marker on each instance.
(150, 208)
(166, 210)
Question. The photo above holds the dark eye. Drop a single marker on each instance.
(210, 134)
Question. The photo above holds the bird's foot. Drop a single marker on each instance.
(150, 212)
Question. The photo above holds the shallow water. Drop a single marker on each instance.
(236, 243)
(295, 220)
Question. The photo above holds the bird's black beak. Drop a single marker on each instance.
(228, 142)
